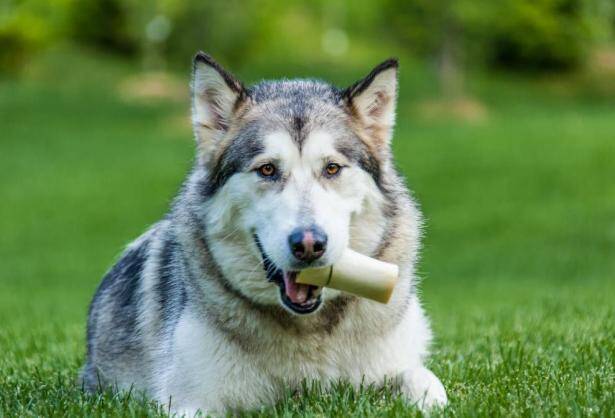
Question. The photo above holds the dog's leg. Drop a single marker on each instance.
(422, 387)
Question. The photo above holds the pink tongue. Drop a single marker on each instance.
(296, 292)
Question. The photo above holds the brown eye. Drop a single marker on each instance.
(332, 169)
(266, 170)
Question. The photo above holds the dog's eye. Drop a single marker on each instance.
(332, 169)
(267, 170)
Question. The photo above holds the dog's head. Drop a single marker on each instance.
(286, 167)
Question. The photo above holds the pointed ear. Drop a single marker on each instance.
(372, 101)
(216, 95)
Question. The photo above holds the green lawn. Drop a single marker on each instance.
(518, 262)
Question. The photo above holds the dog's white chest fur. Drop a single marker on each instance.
(205, 370)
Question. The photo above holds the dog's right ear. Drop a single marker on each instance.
(372, 102)
(216, 95)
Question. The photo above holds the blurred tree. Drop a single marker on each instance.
(541, 34)
(447, 31)
(25, 27)
(454, 34)
(536, 34)
(105, 24)
(226, 28)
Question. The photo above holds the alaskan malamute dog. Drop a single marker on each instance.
(203, 310)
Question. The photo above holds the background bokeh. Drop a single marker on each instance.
(516, 35)
(505, 133)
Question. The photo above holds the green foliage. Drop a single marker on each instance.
(227, 28)
(105, 24)
(541, 34)
(16, 46)
(516, 34)
(538, 34)
(25, 27)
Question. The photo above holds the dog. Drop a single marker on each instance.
(203, 313)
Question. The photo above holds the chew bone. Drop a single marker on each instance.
(357, 274)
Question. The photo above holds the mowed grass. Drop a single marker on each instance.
(519, 254)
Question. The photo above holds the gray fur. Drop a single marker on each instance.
(171, 272)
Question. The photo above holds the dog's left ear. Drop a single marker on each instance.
(216, 97)
(373, 99)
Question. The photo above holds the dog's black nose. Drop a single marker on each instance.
(308, 244)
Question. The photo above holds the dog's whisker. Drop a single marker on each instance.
(230, 234)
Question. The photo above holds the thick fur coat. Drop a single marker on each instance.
(202, 309)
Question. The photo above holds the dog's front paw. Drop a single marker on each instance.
(422, 387)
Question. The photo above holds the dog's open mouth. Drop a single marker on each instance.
(299, 298)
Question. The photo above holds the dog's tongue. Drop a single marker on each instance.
(296, 292)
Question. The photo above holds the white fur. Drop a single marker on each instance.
(209, 374)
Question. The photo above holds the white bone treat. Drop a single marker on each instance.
(357, 274)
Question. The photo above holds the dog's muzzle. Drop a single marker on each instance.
(299, 298)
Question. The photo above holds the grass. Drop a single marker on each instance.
(518, 263)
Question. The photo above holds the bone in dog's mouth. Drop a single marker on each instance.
(299, 298)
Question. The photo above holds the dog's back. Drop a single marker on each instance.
(133, 303)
